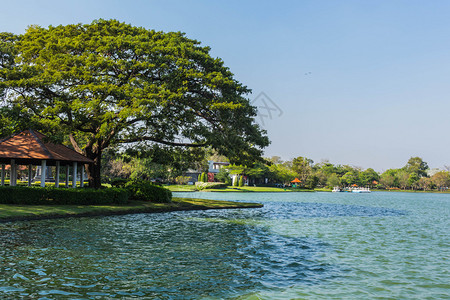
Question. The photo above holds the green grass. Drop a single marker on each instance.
(243, 189)
(411, 191)
(322, 190)
(9, 212)
(181, 188)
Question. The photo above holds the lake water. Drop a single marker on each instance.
(299, 246)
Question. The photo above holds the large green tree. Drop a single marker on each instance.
(109, 83)
(418, 166)
(303, 167)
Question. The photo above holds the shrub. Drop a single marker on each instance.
(235, 180)
(241, 181)
(200, 177)
(146, 191)
(58, 196)
(119, 182)
(223, 176)
(182, 179)
(210, 185)
(204, 177)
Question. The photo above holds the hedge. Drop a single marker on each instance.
(59, 196)
(146, 191)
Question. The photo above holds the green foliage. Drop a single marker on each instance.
(303, 167)
(236, 180)
(441, 179)
(204, 177)
(368, 176)
(258, 171)
(182, 179)
(333, 180)
(280, 173)
(418, 166)
(311, 182)
(241, 181)
(119, 182)
(146, 191)
(223, 176)
(350, 178)
(200, 178)
(59, 196)
(413, 180)
(200, 186)
(109, 83)
(236, 169)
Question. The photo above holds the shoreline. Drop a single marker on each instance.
(72, 211)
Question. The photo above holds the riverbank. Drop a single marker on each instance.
(233, 189)
(259, 189)
(9, 212)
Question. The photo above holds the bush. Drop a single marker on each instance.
(204, 177)
(118, 182)
(146, 191)
(236, 181)
(59, 196)
(223, 176)
(182, 179)
(210, 185)
(241, 181)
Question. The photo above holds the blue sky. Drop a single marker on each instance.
(365, 83)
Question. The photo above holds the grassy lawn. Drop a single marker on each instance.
(11, 212)
(191, 188)
(180, 188)
(412, 191)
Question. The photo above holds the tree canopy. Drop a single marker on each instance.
(109, 83)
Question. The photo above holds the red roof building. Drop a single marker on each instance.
(33, 148)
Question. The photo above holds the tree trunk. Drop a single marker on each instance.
(94, 170)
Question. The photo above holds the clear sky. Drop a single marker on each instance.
(365, 83)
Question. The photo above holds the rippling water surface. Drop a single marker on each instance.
(299, 246)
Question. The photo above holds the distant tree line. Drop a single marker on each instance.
(415, 175)
(172, 167)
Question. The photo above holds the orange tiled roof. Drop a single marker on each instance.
(31, 147)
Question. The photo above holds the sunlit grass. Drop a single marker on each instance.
(180, 188)
(10, 211)
(191, 188)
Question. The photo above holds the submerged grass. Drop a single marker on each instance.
(9, 212)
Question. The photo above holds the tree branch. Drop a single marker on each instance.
(141, 139)
(75, 144)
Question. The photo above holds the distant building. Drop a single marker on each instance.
(193, 174)
(214, 166)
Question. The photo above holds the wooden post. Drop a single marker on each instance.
(82, 176)
(3, 175)
(43, 172)
(30, 173)
(57, 175)
(74, 180)
(11, 173)
(67, 176)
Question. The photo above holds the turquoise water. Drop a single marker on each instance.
(299, 246)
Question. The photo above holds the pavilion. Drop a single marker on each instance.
(32, 148)
(295, 181)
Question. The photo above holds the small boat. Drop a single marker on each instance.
(336, 189)
(361, 190)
